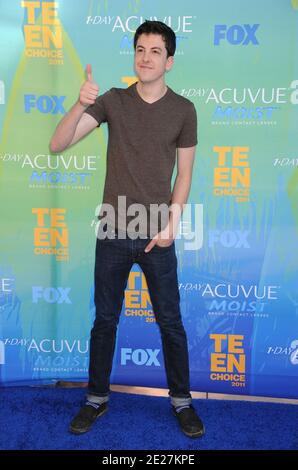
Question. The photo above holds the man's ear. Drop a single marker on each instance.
(169, 64)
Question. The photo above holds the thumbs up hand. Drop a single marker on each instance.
(89, 90)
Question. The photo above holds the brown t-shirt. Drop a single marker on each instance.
(143, 138)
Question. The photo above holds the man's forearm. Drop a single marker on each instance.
(66, 128)
(179, 198)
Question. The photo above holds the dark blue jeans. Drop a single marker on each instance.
(113, 262)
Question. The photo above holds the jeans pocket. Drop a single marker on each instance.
(164, 248)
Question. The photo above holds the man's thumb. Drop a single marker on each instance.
(151, 244)
(89, 72)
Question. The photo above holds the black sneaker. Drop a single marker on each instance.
(83, 421)
(190, 422)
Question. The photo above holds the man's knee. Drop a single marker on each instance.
(104, 324)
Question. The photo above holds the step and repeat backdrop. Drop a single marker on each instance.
(237, 245)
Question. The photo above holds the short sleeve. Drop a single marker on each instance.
(188, 134)
(97, 110)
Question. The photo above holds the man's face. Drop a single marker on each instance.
(151, 60)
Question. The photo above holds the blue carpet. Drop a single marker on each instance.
(38, 418)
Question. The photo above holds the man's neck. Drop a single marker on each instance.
(151, 92)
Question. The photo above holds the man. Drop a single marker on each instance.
(149, 125)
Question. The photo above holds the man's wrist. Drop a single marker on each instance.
(81, 106)
(168, 233)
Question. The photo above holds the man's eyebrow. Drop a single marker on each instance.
(153, 47)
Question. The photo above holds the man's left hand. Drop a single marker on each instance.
(161, 239)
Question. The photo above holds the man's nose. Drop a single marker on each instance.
(146, 56)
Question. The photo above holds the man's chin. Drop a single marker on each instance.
(146, 80)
